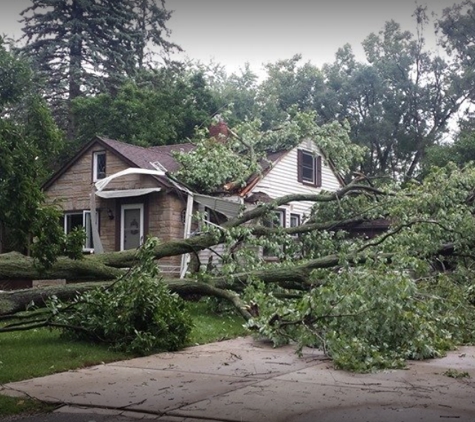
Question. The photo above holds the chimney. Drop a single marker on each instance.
(219, 130)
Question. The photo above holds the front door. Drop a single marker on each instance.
(131, 226)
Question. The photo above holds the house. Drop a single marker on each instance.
(120, 193)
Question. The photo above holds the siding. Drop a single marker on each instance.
(282, 180)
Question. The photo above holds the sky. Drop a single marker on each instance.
(233, 32)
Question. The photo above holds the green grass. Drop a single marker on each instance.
(35, 353)
(210, 326)
(19, 406)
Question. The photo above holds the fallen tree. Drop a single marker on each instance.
(368, 302)
(107, 266)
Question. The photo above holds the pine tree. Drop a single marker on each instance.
(150, 25)
(89, 46)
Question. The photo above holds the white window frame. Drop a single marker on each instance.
(86, 222)
(95, 175)
(281, 215)
(298, 218)
(313, 180)
(122, 215)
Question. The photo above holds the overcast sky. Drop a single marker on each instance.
(232, 32)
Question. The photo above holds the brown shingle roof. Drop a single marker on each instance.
(166, 158)
(144, 157)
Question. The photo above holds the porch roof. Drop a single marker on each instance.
(125, 193)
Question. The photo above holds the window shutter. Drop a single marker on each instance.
(318, 165)
(299, 165)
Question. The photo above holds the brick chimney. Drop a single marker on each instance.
(219, 130)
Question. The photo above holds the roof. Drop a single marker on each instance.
(135, 156)
(144, 157)
(161, 157)
(166, 156)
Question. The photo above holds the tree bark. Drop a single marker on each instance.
(21, 300)
(108, 266)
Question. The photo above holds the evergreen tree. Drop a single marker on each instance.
(89, 46)
(150, 26)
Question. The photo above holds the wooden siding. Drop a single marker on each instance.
(283, 180)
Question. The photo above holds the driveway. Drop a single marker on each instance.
(247, 380)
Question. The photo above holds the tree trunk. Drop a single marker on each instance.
(75, 65)
(20, 300)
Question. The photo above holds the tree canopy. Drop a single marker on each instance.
(29, 142)
(155, 108)
(84, 47)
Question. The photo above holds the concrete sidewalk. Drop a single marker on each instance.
(247, 380)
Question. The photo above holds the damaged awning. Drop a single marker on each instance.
(227, 206)
(125, 193)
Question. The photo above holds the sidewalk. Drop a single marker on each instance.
(249, 381)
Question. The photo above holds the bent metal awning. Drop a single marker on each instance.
(125, 193)
(230, 207)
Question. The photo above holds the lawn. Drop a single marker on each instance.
(34, 353)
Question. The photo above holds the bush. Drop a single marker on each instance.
(137, 314)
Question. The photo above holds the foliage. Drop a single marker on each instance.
(289, 85)
(90, 46)
(460, 151)
(29, 143)
(386, 300)
(457, 28)
(454, 373)
(233, 159)
(367, 319)
(159, 107)
(15, 76)
(137, 314)
(149, 22)
(398, 104)
(50, 241)
(212, 164)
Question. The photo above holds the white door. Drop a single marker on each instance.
(131, 230)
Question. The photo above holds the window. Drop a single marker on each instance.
(309, 168)
(98, 165)
(277, 220)
(80, 219)
(294, 220)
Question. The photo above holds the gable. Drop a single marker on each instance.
(72, 183)
(283, 178)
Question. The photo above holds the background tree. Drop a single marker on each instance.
(89, 46)
(289, 85)
(157, 107)
(460, 150)
(400, 103)
(29, 141)
(152, 32)
(235, 94)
